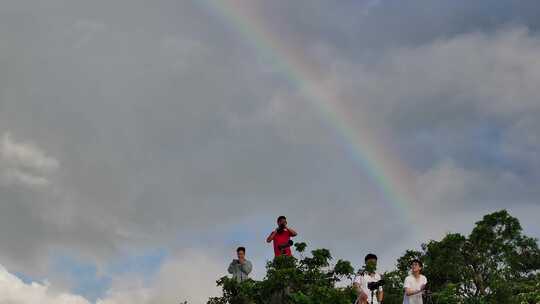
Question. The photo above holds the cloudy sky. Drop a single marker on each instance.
(141, 142)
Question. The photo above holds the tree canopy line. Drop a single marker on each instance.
(495, 263)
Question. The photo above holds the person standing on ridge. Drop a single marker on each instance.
(415, 284)
(281, 237)
(363, 280)
(240, 268)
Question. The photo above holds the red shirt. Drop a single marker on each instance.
(280, 239)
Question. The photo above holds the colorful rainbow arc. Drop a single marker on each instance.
(391, 176)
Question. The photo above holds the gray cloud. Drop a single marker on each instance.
(151, 126)
(24, 164)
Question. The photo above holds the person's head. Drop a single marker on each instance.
(282, 221)
(416, 266)
(241, 253)
(371, 262)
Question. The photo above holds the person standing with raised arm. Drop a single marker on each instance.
(281, 237)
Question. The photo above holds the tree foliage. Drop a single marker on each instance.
(496, 263)
(309, 280)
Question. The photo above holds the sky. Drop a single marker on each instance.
(141, 142)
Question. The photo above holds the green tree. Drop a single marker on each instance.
(445, 264)
(309, 280)
(496, 263)
(529, 291)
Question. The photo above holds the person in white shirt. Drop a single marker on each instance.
(415, 284)
(363, 278)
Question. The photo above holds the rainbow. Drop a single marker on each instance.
(390, 175)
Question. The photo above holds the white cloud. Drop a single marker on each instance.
(189, 276)
(14, 291)
(446, 182)
(24, 163)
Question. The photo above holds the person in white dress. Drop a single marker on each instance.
(415, 284)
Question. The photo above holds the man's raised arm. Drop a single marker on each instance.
(292, 232)
(270, 238)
